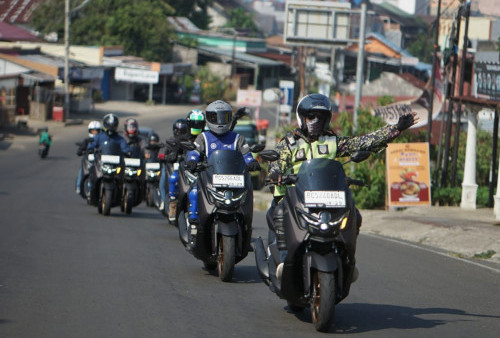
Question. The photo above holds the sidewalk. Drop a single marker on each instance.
(458, 232)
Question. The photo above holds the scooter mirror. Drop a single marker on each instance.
(257, 148)
(269, 155)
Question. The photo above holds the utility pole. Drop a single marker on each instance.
(66, 58)
(460, 93)
(359, 66)
(451, 93)
(433, 75)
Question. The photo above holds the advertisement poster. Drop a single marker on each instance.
(408, 174)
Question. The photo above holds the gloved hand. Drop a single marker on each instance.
(405, 121)
(254, 166)
(275, 176)
(240, 112)
(171, 157)
(191, 165)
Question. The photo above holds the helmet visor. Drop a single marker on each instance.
(220, 117)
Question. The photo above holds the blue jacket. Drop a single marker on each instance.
(102, 137)
(207, 142)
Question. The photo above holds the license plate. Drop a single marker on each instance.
(91, 157)
(228, 181)
(332, 199)
(152, 166)
(132, 162)
(112, 159)
(176, 166)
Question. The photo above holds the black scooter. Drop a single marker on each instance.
(225, 211)
(133, 184)
(320, 222)
(106, 178)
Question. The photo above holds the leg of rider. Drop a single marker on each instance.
(173, 191)
(279, 229)
(163, 188)
(193, 205)
(79, 180)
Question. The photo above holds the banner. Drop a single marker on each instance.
(408, 174)
(421, 105)
(249, 98)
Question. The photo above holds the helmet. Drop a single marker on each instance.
(110, 123)
(153, 138)
(317, 108)
(219, 115)
(94, 125)
(196, 121)
(131, 127)
(180, 128)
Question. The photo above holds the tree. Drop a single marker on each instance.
(140, 26)
(242, 20)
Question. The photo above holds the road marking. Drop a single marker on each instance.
(400, 241)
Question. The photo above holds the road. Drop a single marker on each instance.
(66, 271)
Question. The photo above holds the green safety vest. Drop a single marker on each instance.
(324, 147)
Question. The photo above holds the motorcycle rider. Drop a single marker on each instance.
(94, 128)
(313, 139)
(45, 138)
(135, 141)
(195, 122)
(219, 136)
(110, 133)
(153, 147)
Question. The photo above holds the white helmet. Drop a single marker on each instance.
(94, 125)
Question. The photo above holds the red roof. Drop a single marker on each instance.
(18, 11)
(12, 33)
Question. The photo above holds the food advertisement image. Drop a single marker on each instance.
(408, 174)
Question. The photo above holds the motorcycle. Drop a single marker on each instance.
(320, 221)
(43, 150)
(153, 171)
(225, 211)
(106, 178)
(132, 186)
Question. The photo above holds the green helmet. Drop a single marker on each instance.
(196, 121)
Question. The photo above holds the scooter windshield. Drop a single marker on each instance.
(226, 168)
(322, 183)
(111, 148)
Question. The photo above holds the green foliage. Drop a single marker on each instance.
(385, 100)
(141, 27)
(422, 47)
(213, 87)
(240, 19)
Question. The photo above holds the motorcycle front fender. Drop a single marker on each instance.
(325, 263)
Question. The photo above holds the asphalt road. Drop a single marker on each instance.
(66, 271)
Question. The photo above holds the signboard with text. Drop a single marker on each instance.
(249, 98)
(408, 174)
(136, 75)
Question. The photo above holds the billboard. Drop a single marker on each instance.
(317, 22)
(487, 80)
(408, 174)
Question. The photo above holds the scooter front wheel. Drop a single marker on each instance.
(323, 300)
(226, 257)
(107, 196)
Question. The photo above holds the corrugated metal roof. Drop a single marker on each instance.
(490, 57)
(49, 60)
(390, 44)
(241, 57)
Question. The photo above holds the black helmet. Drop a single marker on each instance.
(131, 127)
(110, 123)
(180, 128)
(219, 115)
(318, 109)
(153, 138)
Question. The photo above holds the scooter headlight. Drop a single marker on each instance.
(323, 222)
(225, 197)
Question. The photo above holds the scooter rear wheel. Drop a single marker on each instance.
(323, 300)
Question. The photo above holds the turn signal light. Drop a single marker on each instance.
(343, 224)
